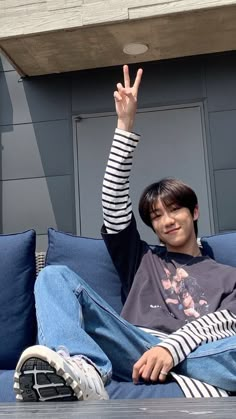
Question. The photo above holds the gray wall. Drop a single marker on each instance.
(37, 177)
(37, 173)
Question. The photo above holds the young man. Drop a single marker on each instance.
(179, 314)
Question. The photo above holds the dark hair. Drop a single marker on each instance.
(170, 191)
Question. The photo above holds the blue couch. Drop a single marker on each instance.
(90, 259)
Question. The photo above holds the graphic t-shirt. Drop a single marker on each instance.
(164, 290)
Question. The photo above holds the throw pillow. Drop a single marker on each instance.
(17, 308)
(221, 247)
(90, 259)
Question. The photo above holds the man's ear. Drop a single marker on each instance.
(196, 213)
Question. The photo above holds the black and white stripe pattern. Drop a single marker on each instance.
(195, 388)
(209, 328)
(116, 203)
(157, 333)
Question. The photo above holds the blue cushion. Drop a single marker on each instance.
(90, 259)
(17, 308)
(221, 247)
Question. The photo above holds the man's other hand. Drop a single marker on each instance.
(154, 365)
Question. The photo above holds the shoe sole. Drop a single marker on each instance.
(44, 378)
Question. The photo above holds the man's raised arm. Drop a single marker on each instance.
(117, 207)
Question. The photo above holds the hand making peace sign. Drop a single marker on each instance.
(126, 100)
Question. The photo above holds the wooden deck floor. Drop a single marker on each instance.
(124, 409)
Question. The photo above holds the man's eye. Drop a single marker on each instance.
(175, 208)
(155, 216)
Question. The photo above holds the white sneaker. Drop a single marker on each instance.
(43, 374)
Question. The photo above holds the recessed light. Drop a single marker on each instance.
(135, 49)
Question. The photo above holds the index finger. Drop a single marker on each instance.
(126, 76)
(137, 367)
(135, 374)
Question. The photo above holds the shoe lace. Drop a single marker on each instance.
(76, 361)
(79, 364)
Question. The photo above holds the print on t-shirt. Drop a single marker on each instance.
(183, 291)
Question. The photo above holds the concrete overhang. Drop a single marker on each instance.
(37, 46)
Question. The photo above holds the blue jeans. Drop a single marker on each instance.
(71, 314)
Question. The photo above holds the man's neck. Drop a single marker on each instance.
(191, 249)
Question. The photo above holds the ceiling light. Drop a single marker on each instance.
(135, 49)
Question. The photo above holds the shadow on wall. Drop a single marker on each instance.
(45, 148)
(36, 172)
(5, 101)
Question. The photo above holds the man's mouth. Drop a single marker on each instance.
(172, 231)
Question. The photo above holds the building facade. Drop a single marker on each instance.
(56, 129)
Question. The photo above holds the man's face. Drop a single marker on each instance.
(174, 225)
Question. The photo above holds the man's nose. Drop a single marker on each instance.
(168, 219)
